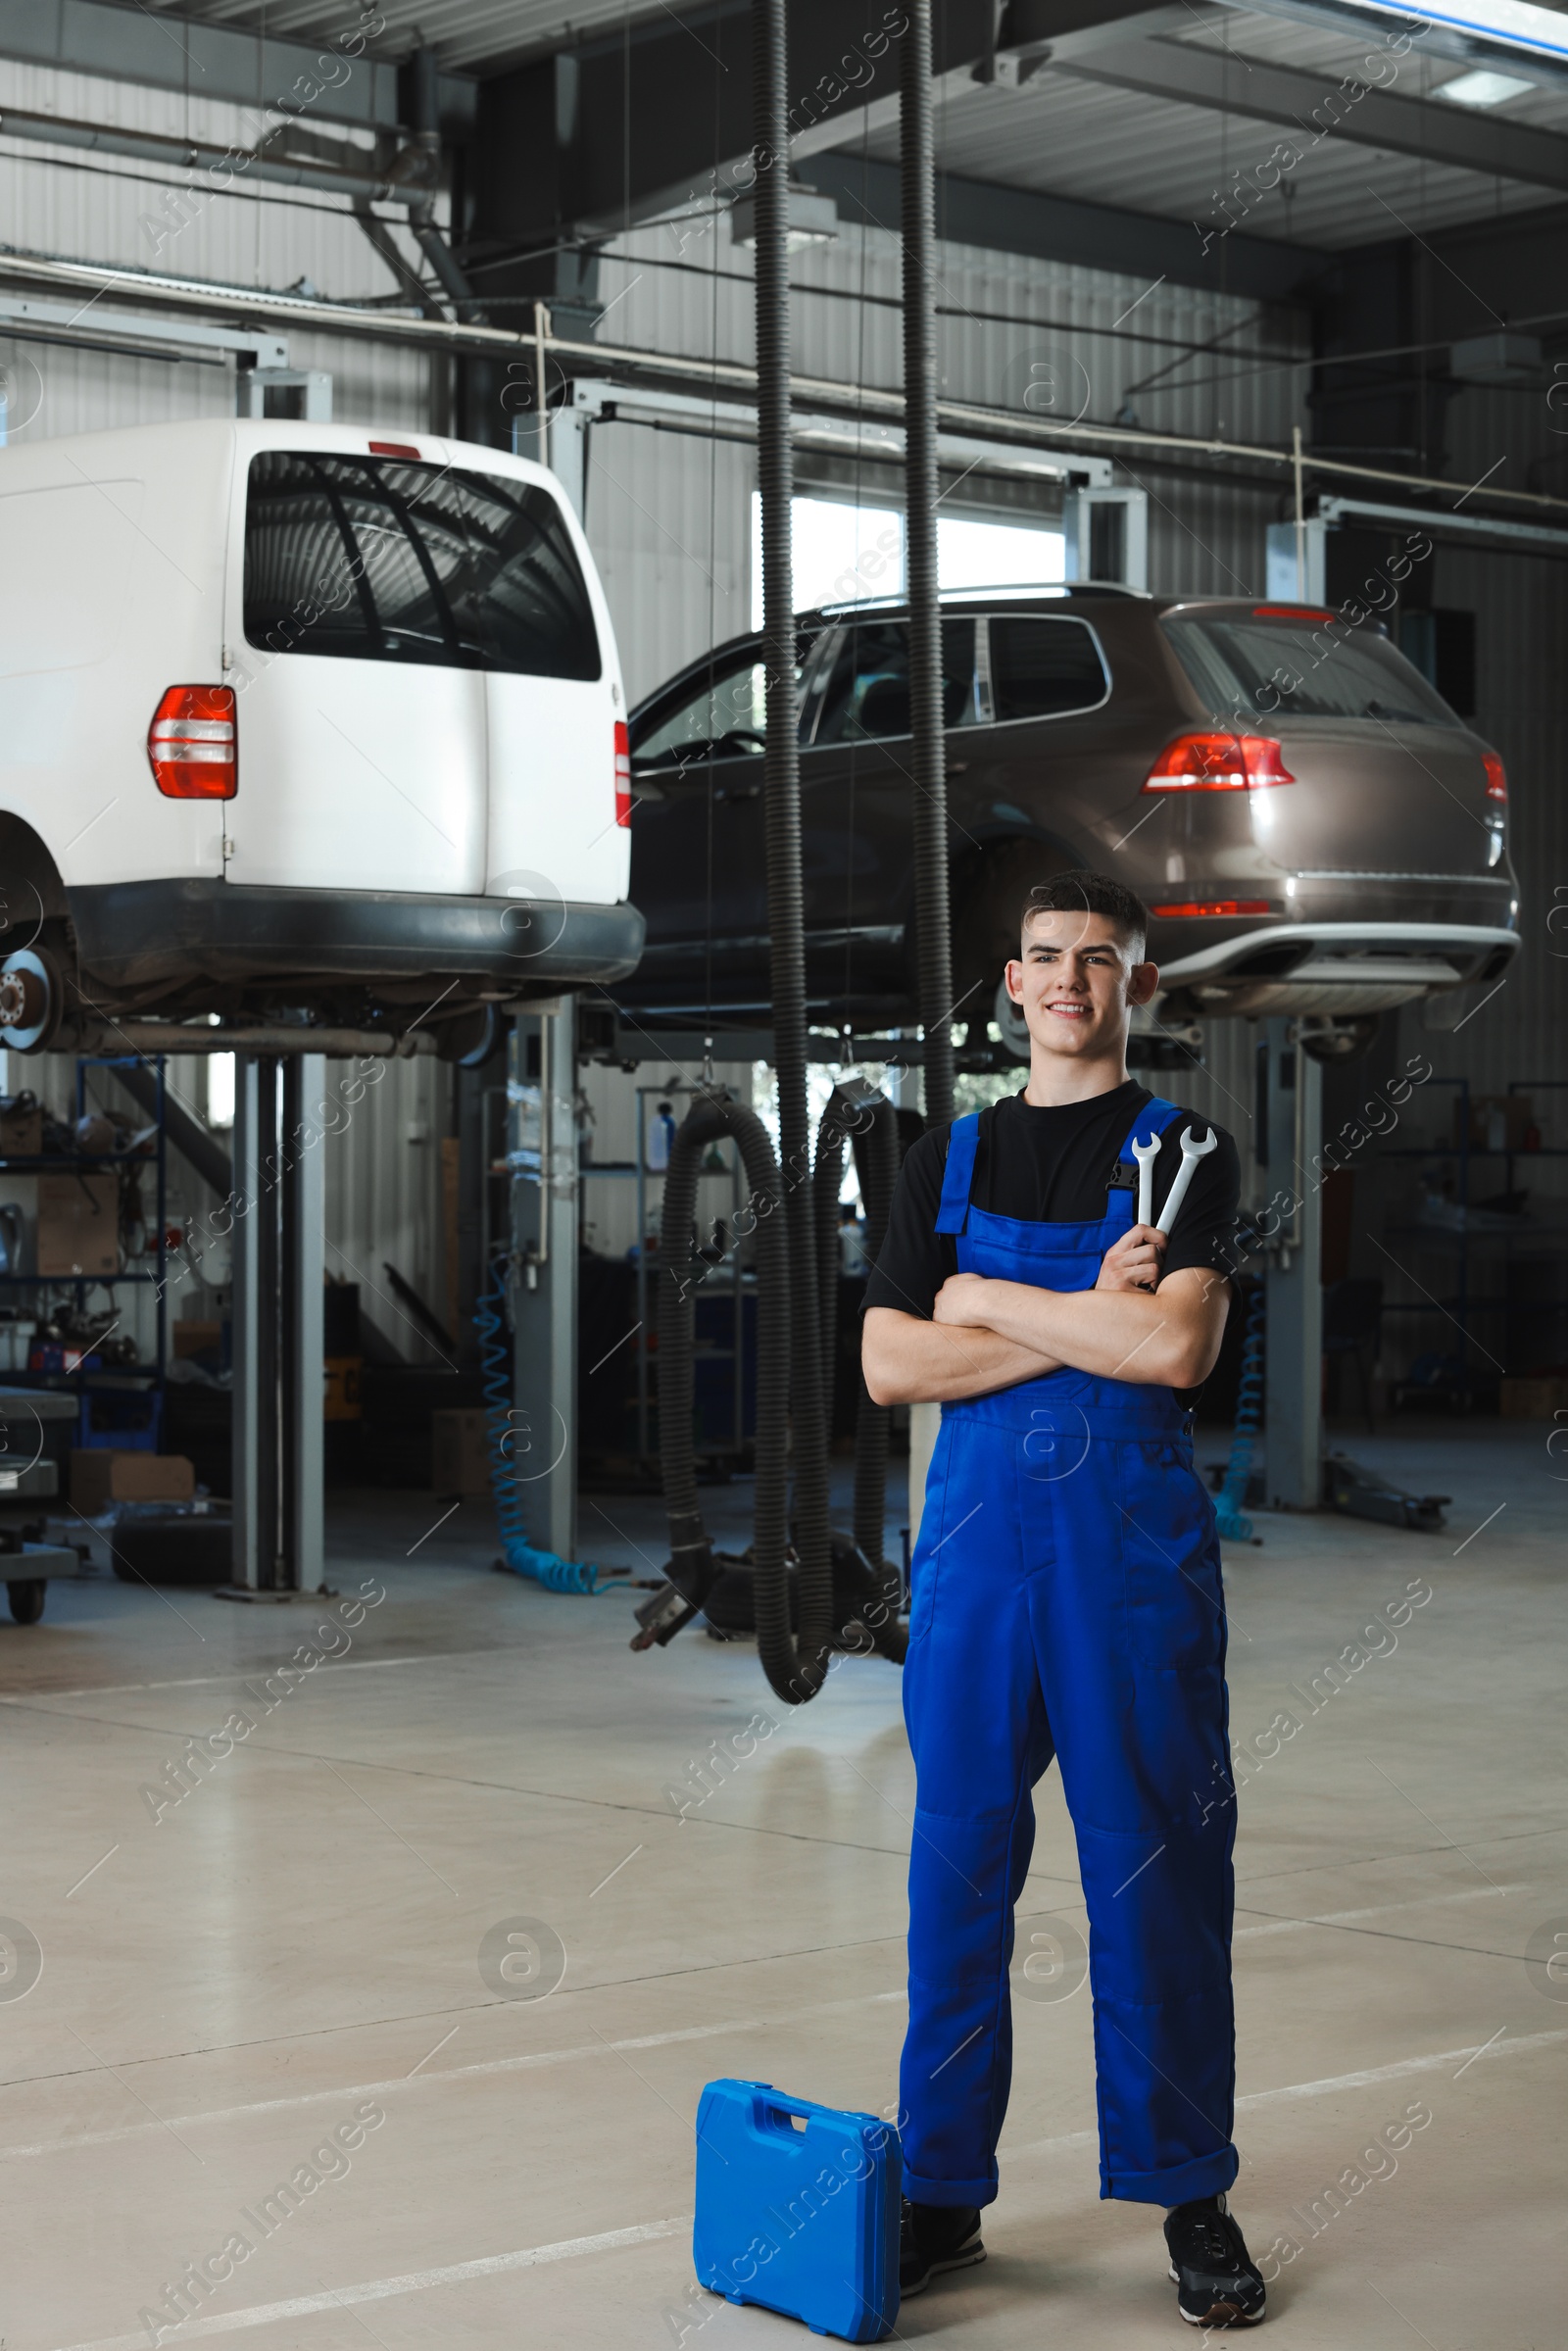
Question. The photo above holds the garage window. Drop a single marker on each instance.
(384, 560)
(1044, 668)
(842, 552)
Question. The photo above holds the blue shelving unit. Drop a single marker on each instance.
(120, 1408)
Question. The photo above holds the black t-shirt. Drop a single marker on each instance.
(1053, 1165)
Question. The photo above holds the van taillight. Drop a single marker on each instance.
(622, 773)
(1496, 776)
(1219, 763)
(193, 744)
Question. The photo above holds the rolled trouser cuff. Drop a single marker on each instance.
(952, 2194)
(1181, 2183)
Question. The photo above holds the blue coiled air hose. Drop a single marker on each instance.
(557, 1575)
(1234, 1525)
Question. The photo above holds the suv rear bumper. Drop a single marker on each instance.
(1338, 966)
(146, 934)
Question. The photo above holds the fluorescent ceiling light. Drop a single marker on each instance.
(813, 218)
(1516, 23)
(1484, 88)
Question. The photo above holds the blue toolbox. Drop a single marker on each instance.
(797, 2209)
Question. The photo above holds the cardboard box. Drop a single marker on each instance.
(1541, 1399)
(460, 1452)
(21, 1126)
(79, 1224)
(197, 1339)
(99, 1476)
(342, 1397)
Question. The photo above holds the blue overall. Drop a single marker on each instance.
(1068, 1602)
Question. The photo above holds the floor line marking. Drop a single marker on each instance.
(412, 2281)
(528, 2063)
(1378, 1910)
(239, 1672)
(1366, 2079)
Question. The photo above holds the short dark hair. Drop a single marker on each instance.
(1086, 893)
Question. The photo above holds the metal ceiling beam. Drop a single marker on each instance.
(714, 378)
(631, 124)
(1071, 229)
(161, 49)
(1325, 104)
(408, 179)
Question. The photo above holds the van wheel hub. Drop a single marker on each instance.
(30, 1000)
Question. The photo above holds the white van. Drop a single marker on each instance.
(302, 718)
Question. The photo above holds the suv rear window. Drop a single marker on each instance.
(1043, 669)
(1291, 669)
(386, 559)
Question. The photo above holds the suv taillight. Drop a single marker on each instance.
(622, 773)
(1496, 776)
(193, 744)
(1219, 763)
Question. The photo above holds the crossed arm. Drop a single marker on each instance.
(987, 1335)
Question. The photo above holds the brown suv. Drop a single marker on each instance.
(1313, 829)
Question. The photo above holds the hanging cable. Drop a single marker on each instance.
(869, 1121)
(495, 1358)
(933, 936)
(693, 1566)
(786, 912)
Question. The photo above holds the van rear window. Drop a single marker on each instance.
(1293, 670)
(384, 560)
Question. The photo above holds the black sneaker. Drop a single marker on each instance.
(935, 2238)
(1214, 2275)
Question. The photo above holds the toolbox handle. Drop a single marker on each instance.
(774, 2113)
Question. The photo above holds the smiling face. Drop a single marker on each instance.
(1076, 981)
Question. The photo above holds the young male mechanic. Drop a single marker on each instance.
(1068, 1602)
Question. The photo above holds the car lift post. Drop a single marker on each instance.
(1290, 1147)
(278, 1206)
(544, 1225)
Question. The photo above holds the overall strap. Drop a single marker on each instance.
(963, 1141)
(1152, 1119)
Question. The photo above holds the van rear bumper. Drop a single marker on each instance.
(141, 934)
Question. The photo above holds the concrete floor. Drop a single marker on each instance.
(299, 1938)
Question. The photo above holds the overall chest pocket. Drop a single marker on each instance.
(1171, 1557)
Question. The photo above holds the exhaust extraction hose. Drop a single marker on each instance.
(870, 1123)
(681, 1270)
(933, 934)
(781, 772)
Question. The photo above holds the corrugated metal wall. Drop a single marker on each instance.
(668, 515)
(105, 209)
